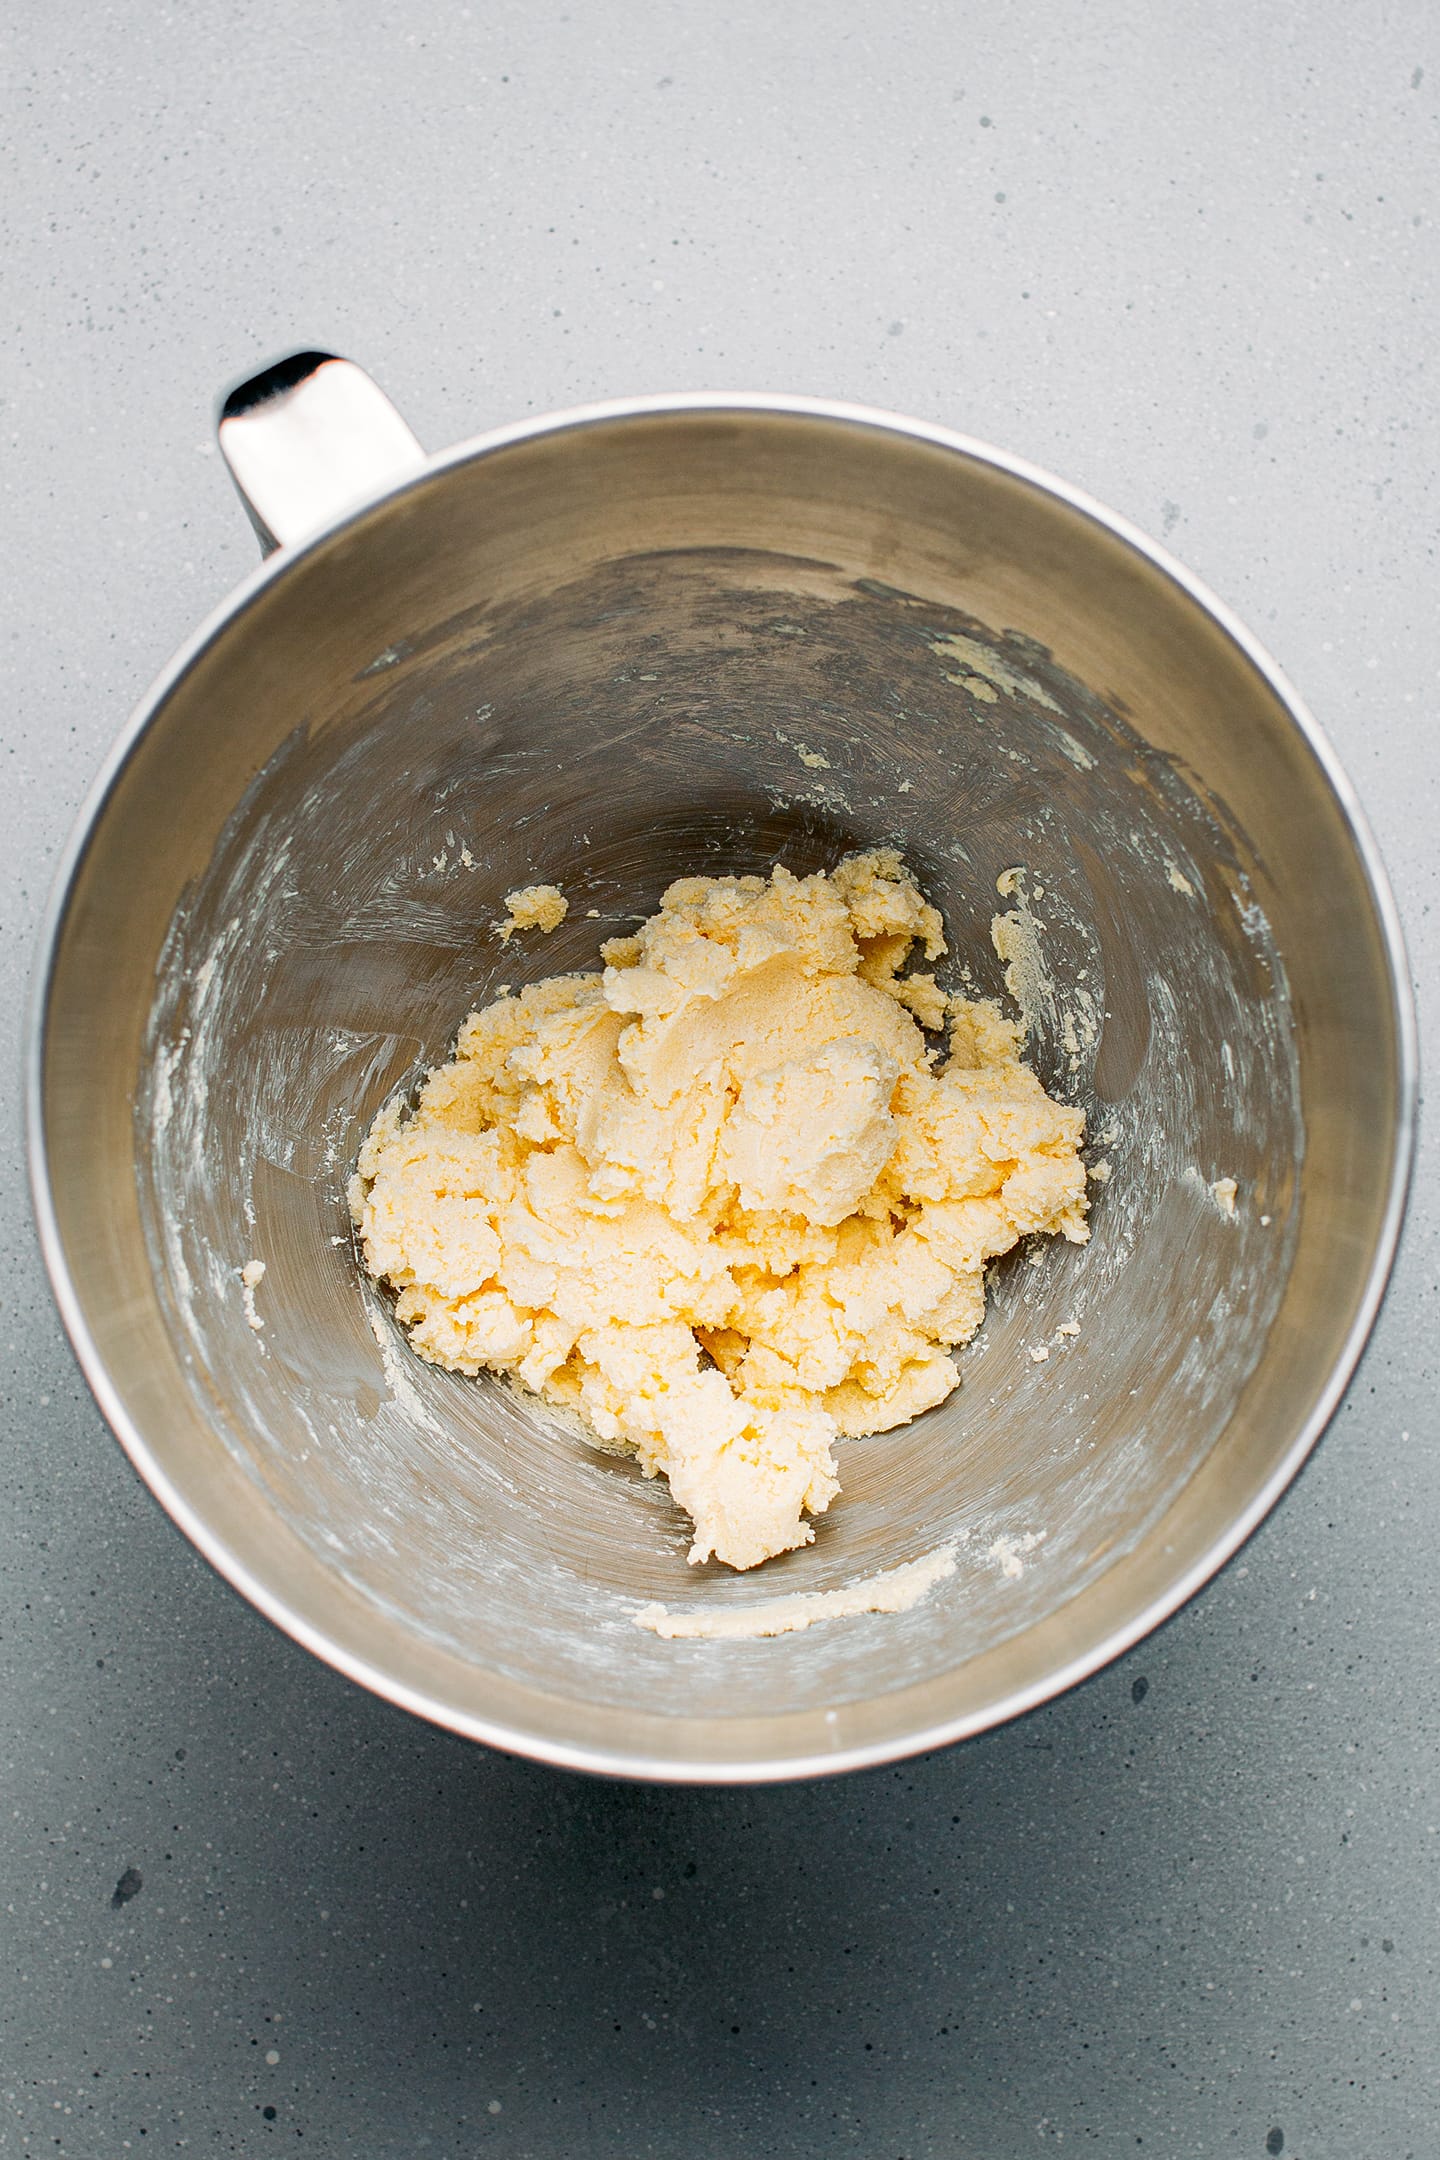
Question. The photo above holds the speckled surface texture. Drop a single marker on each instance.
(1186, 258)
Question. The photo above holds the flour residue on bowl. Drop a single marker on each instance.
(1009, 1552)
(985, 672)
(896, 1590)
(251, 1277)
(1071, 1015)
(1220, 1192)
(395, 1362)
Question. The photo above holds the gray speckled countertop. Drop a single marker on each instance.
(1184, 255)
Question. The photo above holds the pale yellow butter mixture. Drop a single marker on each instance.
(722, 1200)
(532, 907)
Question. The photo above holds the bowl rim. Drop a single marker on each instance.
(618, 1761)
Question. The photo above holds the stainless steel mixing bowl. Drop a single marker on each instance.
(611, 648)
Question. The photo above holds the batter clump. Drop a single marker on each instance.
(722, 1200)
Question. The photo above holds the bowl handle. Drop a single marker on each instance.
(306, 437)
